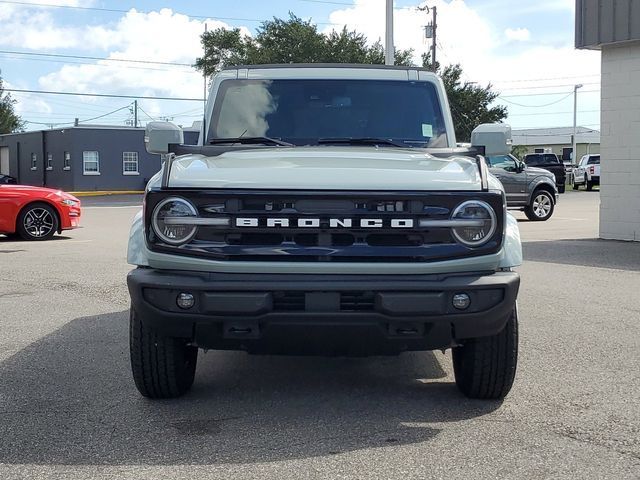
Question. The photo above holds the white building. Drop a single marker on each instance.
(613, 27)
(558, 140)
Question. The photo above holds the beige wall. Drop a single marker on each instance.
(620, 143)
(582, 148)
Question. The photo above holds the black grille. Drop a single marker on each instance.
(292, 301)
(325, 242)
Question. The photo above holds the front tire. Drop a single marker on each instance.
(588, 184)
(562, 188)
(37, 221)
(485, 367)
(163, 367)
(541, 207)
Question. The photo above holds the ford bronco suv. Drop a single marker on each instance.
(326, 210)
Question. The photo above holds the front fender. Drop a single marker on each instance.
(512, 247)
(136, 249)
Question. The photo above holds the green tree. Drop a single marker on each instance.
(298, 41)
(469, 103)
(290, 41)
(519, 151)
(9, 120)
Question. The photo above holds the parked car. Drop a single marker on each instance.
(37, 213)
(7, 179)
(587, 172)
(527, 188)
(551, 162)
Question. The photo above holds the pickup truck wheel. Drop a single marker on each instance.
(485, 367)
(575, 185)
(561, 189)
(163, 367)
(541, 206)
(588, 184)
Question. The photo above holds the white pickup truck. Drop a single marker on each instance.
(587, 172)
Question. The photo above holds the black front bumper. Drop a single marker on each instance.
(325, 314)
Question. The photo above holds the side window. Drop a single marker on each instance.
(67, 161)
(90, 163)
(34, 161)
(130, 163)
(505, 162)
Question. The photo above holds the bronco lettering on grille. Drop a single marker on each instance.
(284, 222)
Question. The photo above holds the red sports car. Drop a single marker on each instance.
(37, 213)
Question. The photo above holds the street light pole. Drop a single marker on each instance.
(389, 50)
(574, 154)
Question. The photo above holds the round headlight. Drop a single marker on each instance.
(166, 219)
(481, 220)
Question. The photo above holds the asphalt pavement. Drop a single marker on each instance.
(69, 409)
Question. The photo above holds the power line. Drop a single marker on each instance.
(117, 10)
(550, 113)
(545, 86)
(139, 97)
(85, 57)
(537, 106)
(544, 94)
(81, 121)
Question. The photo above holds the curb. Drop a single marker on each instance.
(99, 193)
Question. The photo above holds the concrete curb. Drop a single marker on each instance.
(99, 193)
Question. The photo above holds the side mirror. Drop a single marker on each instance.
(494, 137)
(160, 135)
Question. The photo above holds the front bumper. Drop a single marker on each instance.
(327, 314)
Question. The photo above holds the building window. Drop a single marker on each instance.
(130, 163)
(90, 163)
(49, 161)
(538, 150)
(67, 161)
(567, 154)
(34, 161)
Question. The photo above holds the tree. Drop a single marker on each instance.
(469, 103)
(519, 151)
(299, 41)
(290, 41)
(9, 121)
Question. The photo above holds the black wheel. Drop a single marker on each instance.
(541, 206)
(588, 184)
(163, 367)
(37, 221)
(562, 188)
(486, 367)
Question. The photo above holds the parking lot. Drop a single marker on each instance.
(70, 410)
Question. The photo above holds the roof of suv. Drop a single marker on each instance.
(326, 65)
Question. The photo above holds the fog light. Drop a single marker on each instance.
(185, 300)
(461, 301)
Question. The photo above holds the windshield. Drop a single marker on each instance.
(305, 111)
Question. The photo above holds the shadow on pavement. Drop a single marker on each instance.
(588, 252)
(69, 399)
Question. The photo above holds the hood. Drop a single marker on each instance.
(31, 190)
(538, 171)
(326, 167)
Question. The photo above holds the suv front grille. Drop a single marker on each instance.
(314, 226)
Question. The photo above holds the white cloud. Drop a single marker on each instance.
(156, 36)
(517, 34)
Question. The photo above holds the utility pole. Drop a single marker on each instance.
(135, 113)
(574, 154)
(204, 76)
(430, 32)
(389, 49)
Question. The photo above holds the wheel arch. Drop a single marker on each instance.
(542, 185)
(46, 202)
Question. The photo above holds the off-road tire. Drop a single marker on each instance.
(530, 210)
(163, 367)
(485, 367)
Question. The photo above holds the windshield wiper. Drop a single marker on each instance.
(361, 141)
(251, 140)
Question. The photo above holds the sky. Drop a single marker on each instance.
(523, 49)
